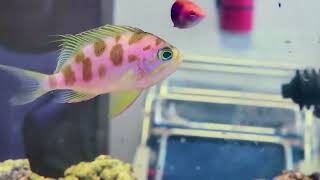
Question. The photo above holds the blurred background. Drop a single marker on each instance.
(220, 115)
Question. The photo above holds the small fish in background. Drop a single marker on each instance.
(186, 14)
(120, 60)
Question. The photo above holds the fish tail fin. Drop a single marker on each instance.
(32, 85)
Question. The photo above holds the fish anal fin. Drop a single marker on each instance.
(70, 96)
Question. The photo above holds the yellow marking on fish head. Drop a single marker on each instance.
(168, 60)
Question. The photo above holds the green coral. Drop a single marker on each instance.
(18, 169)
(102, 168)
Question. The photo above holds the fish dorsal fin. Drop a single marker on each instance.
(120, 101)
(70, 44)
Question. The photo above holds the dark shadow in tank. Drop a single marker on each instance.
(57, 136)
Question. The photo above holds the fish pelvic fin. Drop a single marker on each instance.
(32, 85)
(120, 101)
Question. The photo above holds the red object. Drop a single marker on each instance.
(186, 14)
(152, 173)
(236, 15)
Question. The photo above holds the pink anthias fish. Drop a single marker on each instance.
(120, 60)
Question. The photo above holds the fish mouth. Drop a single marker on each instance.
(196, 18)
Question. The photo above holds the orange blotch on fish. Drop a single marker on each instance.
(99, 47)
(68, 75)
(86, 69)
(147, 48)
(118, 37)
(102, 70)
(158, 41)
(136, 37)
(79, 57)
(116, 54)
(52, 81)
(132, 58)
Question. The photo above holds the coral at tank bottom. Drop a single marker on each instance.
(103, 167)
(291, 175)
(18, 169)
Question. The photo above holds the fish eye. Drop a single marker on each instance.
(165, 54)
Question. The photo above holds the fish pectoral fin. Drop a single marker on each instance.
(120, 101)
(70, 96)
(127, 76)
